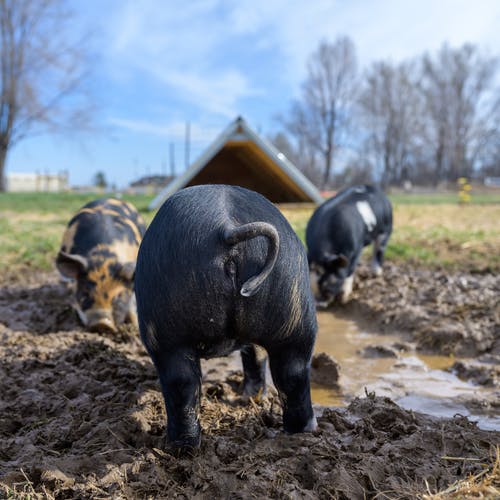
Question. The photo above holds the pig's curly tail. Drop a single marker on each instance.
(235, 235)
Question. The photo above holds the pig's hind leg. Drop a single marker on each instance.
(254, 370)
(180, 379)
(379, 245)
(131, 316)
(290, 365)
(348, 281)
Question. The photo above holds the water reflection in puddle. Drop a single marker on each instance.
(412, 380)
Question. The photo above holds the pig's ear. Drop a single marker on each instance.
(337, 260)
(127, 271)
(343, 261)
(71, 265)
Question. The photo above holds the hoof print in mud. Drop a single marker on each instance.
(215, 391)
(183, 449)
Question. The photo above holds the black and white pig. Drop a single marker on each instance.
(336, 234)
(99, 250)
(220, 269)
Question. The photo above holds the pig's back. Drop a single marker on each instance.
(185, 265)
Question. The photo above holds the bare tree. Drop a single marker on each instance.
(99, 180)
(358, 170)
(462, 107)
(390, 106)
(320, 120)
(43, 71)
(490, 160)
(301, 155)
(281, 142)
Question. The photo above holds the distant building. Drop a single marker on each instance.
(150, 184)
(492, 181)
(36, 182)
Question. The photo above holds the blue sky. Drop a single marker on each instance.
(159, 64)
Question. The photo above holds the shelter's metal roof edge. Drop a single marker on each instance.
(285, 164)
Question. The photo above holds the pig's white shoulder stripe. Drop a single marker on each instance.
(367, 214)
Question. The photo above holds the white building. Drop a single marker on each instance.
(492, 181)
(36, 182)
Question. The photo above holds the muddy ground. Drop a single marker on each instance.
(81, 415)
(441, 313)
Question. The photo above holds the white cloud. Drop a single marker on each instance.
(386, 29)
(397, 30)
(177, 47)
(213, 93)
(199, 134)
(184, 44)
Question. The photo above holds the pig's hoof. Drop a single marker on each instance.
(254, 390)
(312, 425)
(132, 320)
(323, 304)
(296, 425)
(344, 298)
(182, 449)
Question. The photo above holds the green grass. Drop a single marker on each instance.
(477, 198)
(428, 229)
(449, 247)
(32, 225)
(29, 243)
(445, 255)
(61, 202)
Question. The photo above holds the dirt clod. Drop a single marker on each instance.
(484, 370)
(324, 370)
(378, 351)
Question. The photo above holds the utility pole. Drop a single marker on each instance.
(186, 155)
(172, 159)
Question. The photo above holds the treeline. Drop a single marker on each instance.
(428, 120)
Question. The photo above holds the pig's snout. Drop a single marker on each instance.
(101, 321)
(103, 326)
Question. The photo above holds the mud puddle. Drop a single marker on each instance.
(372, 363)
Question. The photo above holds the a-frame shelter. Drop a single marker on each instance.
(239, 156)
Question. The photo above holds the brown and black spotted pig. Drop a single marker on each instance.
(99, 251)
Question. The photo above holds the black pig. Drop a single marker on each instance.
(220, 269)
(336, 234)
(99, 250)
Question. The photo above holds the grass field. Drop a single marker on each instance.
(478, 198)
(431, 230)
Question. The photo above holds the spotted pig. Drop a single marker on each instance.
(336, 234)
(220, 269)
(99, 251)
